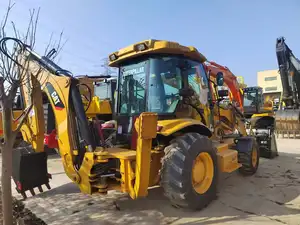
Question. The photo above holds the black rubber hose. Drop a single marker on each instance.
(85, 132)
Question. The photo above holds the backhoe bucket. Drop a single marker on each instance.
(29, 170)
(287, 122)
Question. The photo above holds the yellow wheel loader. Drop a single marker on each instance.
(261, 120)
(166, 128)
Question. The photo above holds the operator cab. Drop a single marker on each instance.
(253, 101)
(105, 90)
(160, 84)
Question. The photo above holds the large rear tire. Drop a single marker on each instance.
(189, 171)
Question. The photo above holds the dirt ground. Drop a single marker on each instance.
(271, 196)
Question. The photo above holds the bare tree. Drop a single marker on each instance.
(107, 69)
(12, 75)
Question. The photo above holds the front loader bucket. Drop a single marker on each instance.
(29, 170)
(288, 122)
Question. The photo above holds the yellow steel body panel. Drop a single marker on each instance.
(155, 46)
(271, 114)
(146, 128)
(97, 107)
(227, 158)
(120, 153)
(171, 126)
(16, 115)
(84, 173)
(34, 128)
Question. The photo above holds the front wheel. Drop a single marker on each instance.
(189, 171)
(248, 155)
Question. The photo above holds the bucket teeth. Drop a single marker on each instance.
(24, 195)
(40, 189)
(48, 186)
(32, 192)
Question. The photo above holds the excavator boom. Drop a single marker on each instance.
(289, 69)
(288, 118)
(229, 79)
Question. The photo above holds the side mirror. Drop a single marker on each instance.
(186, 92)
(220, 79)
(223, 93)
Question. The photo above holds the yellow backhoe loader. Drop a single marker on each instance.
(98, 93)
(167, 131)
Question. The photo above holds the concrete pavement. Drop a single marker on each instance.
(269, 197)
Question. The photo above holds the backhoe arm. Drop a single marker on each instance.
(74, 136)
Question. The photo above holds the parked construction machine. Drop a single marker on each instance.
(288, 119)
(166, 133)
(261, 120)
(257, 114)
(98, 92)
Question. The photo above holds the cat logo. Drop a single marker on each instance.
(55, 97)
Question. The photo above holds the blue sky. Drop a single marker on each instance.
(238, 34)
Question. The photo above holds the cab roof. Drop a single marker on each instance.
(152, 46)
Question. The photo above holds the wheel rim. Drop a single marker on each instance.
(254, 157)
(202, 172)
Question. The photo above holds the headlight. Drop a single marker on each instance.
(141, 47)
(112, 57)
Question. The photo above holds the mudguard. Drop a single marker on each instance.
(168, 127)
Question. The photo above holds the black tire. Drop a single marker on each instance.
(246, 147)
(273, 151)
(176, 172)
(270, 151)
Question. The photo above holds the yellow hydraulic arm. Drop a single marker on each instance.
(78, 151)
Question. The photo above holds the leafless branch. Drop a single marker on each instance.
(34, 27)
(4, 21)
(57, 47)
(28, 28)
(49, 43)
(17, 33)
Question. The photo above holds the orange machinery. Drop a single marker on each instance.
(229, 79)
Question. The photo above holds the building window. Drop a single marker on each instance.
(271, 89)
(270, 78)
